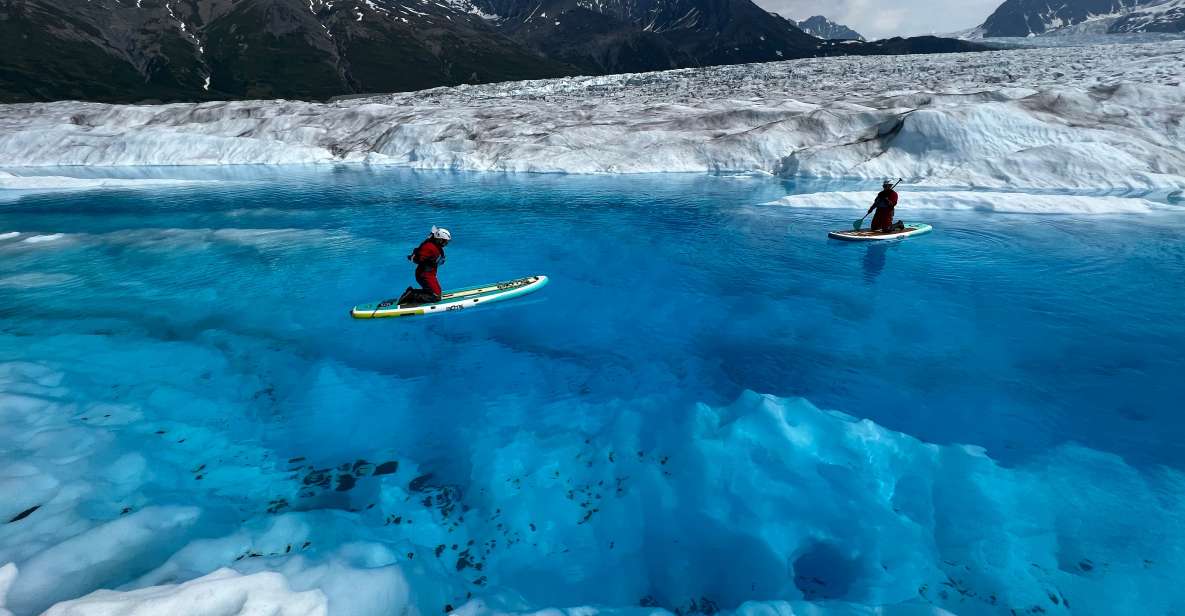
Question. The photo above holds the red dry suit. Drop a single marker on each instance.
(886, 200)
(428, 256)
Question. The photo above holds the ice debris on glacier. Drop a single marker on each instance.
(768, 506)
(1088, 117)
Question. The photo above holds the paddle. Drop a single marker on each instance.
(859, 223)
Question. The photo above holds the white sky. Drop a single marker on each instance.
(884, 18)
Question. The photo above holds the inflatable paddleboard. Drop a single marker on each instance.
(868, 235)
(451, 301)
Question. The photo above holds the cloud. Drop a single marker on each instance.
(890, 17)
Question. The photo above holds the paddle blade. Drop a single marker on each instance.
(856, 225)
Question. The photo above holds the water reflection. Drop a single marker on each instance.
(874, 261)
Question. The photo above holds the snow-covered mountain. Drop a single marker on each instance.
(611, 36)
(1045, 17)
(133, 50)
(821, 27)
(1034, 17)
(632, 35)
(1165, 16)
(170, 49)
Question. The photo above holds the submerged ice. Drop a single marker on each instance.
(1091, 117)
(189, 423)
(764, 505)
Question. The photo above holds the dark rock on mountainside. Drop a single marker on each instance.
(1029, 17)
(898, 46)
(167, 50)
(1168, 16)
(75, 50)
(637, 35)
(156, 49)
(821, 27)
(1037, 17)
(634, 35)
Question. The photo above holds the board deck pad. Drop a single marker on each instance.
(867, 235)
(451, 301)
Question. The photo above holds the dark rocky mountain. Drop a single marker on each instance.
(165, 50)
(1038, 17)
(1166, 16)
(898, 46)
(1032, 17)
(821, 27)
(636, 35)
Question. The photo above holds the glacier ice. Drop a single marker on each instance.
(41, 183)
(172, 500)
(7, 575)
(1083, 117)
(221, 593)
(981, 201)
(764, 506)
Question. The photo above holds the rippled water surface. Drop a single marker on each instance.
(220, 311)
(1011, 332)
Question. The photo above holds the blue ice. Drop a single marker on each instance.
(712, 408)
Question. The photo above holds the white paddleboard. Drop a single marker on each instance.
(452, 301)
(868, 235)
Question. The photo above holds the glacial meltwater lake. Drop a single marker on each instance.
(710, 403)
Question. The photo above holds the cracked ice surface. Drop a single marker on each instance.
(1098, 117)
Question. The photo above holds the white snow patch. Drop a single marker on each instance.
(466, 6)
(7, 577)
(180, 24)
(41, 239)
(221, 593)
(83, 561)
(49, 183)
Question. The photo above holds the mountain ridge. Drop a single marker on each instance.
(824, 28)
(1025, 18)
(195, 50)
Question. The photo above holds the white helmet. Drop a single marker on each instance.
(441, 233)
